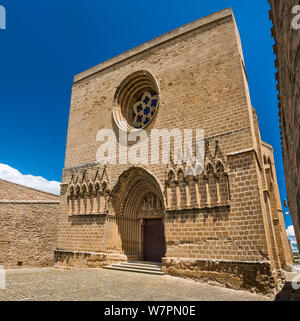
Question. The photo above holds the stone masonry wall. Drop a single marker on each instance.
(223, 233)
(200, 77)
(12, 191)
(287, 50)
(28, 226)
(28, 234)
(283, 246)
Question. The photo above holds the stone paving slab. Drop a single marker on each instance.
(106, 285)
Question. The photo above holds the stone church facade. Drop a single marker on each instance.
(223, 225)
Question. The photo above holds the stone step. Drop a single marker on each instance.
(143, 264)
(135, 266)
(120, 267)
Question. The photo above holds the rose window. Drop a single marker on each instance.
(144, 109)
(136, 101)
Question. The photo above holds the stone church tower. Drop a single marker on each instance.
(224, 224)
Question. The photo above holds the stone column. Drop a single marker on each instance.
(95, 202)
(228, 188)
(217, 179)
(208, 201)
(89, 203)
(187, 192)
(141, 237)
(102, 202)
(169, 195)
(197, 194)
(178, 194)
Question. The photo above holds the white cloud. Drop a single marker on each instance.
(12, 175)
(290, 231)
(292, 237)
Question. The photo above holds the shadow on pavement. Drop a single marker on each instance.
(288, 293)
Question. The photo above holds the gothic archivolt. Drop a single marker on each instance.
(133, 188)
(136, 196)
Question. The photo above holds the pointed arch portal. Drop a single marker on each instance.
(139, 208)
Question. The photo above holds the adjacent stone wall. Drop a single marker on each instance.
(28, 226)
(287, 50)
(12, 191)
(28, 234)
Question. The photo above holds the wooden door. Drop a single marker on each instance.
(154, 240)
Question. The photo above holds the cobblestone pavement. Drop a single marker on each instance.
(105, 285)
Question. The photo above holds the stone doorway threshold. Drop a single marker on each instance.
(138, 267)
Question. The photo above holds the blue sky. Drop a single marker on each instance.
(47, 42)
